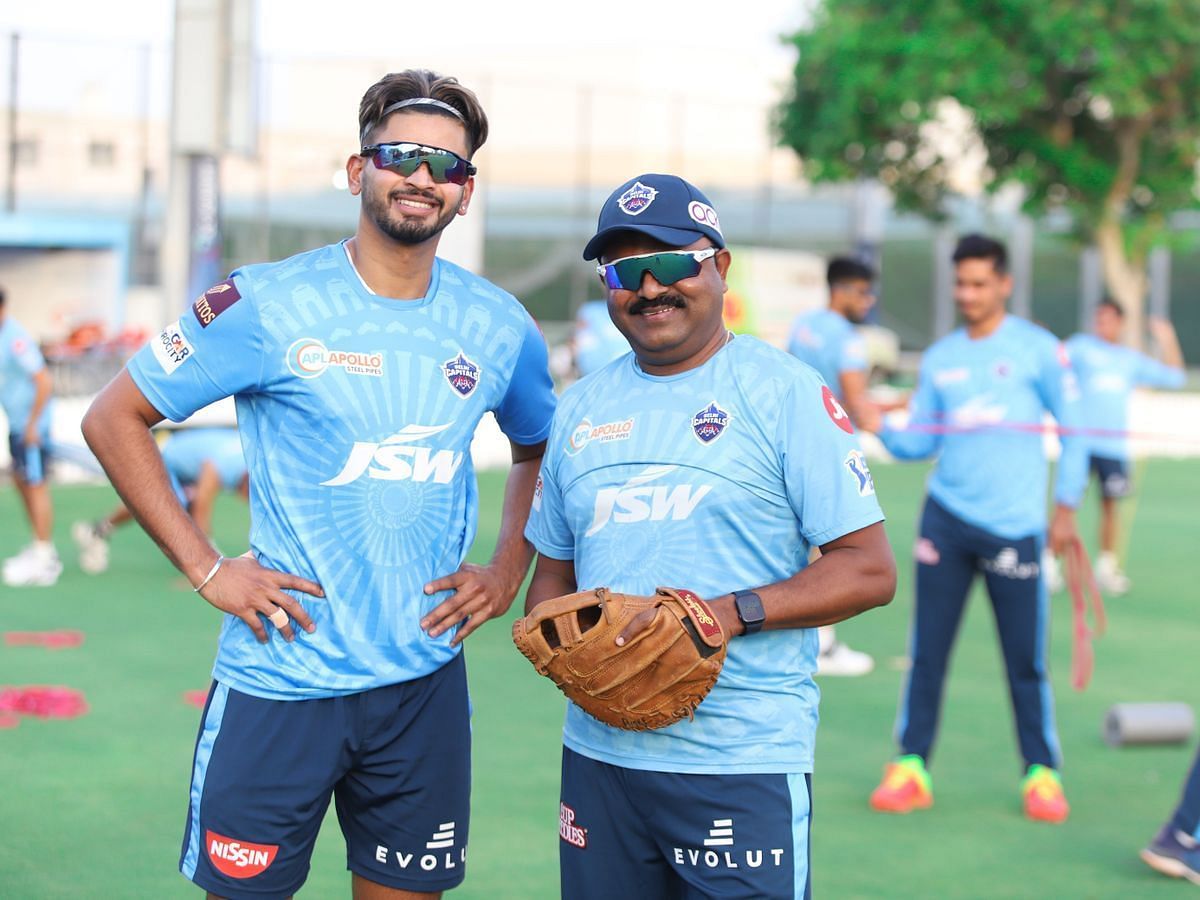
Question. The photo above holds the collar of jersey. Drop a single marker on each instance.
(393, 303)
(679, 376)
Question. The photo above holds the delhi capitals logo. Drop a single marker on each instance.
(709, 424)
(637, 199)
(462, 374)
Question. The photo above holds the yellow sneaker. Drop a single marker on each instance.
(1043, 795)
(906, 786)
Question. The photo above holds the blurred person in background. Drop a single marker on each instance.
(1108, 372)
(978, 406)
(595, 340)
(201, 462)
(25, 391)
(828, 340)
(1175, 850)
(360, 372)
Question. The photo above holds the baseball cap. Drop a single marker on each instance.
(665, 207)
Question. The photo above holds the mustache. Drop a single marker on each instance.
(643, 303)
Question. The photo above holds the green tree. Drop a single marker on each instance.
(1089, 105)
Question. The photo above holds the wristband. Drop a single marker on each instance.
(209, 577)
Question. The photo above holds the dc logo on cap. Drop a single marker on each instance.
(637, 199)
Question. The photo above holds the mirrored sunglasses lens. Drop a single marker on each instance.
(405, 159)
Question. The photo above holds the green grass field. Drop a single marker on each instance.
(94, 806)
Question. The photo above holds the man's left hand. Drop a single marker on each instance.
(1062, 529)
(480, 593)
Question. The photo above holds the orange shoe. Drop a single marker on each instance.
(906, 786)
(1044, 798)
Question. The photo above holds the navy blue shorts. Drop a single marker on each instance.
(630, 834)
(1113, 475)
(21, 458)
(396, 759)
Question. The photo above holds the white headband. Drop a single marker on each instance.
(414, 101)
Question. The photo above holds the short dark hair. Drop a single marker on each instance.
(413, 83)
(979, 246)
(1113, 305)
(843, 268)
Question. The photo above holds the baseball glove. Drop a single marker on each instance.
(658, 677)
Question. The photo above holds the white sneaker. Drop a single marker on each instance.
(19, 559)
(839, 659)
(1109, 577)
(93, 549)
(1052, 572)
(33, 568)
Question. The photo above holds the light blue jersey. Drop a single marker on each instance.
(597, 340)
(1108, 373)
(20, 360)
(186, 451)
(356, 414)
(716, 479)
(979, 404)
(828, 342)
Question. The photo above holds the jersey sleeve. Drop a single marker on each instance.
(26, 353)
(527, 408)
(919, 439)
(548, 529)
(1058, 386)
(214, 350)
(853, 356)
(1152, 373)
(829, 485)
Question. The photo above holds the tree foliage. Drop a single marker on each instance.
(1090, 105)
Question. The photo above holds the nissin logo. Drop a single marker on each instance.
(395, 459)
(239, 859)
(637, 500)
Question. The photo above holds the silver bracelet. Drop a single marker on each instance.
(209, 577)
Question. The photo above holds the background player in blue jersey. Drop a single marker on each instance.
(1108, 372)
(978, 407)
(25, 389)
(201, 462)
(711, 462)
(595, 340)
(360, 371)
(828, 341)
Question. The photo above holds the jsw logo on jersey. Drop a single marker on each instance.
(395, 459)
(637, 500)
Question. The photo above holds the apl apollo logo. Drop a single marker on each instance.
(585, 432)
(309, 358)
(462, 374)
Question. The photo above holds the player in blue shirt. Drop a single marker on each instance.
(360, 371)
(201, 462)
(595, 340)
(978, 407)
(828, 341)
(711, 462)
(1108, 372)
(25, 390)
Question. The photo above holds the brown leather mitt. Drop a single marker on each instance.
(658, 677)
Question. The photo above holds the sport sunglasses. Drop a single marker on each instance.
(667, 268)
(405, 158)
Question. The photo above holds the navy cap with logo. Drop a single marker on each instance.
(665, 207)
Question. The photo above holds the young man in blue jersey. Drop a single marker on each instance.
(201, 462)
(827, 340)
(978, 406)
(360, 371)
(1108, 372)
(25, 390)
(709, 462)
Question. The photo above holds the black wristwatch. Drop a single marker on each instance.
(750, 610)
